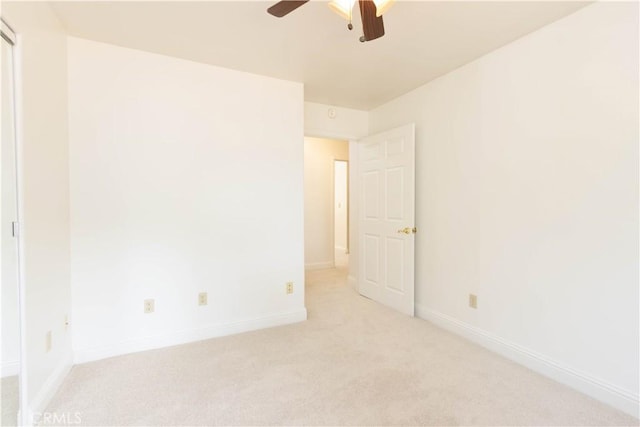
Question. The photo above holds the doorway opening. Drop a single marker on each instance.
(326, 203)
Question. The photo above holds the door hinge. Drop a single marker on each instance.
(15, 228)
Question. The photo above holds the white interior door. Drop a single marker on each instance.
(386, 207)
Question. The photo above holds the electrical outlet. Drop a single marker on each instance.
(289, 287)
(473, 301)
(48, 341)
(202, 298)
(149, 306)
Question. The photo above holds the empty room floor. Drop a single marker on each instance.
(354, 362)
(9, 403)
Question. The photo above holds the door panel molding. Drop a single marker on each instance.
(386, 206)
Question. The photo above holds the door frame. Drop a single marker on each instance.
(10, 35)
(353, 194)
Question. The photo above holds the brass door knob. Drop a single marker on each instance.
(408, 230)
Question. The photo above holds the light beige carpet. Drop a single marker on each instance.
(9, 400)
(354, 362)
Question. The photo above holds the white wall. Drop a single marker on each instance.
(343, 123)
(185, 178)
(319, 155)
(42, 127)
(527, 195)
(340, 205)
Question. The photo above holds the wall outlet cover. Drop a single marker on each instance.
(149, 306)
(202, 298)
(49, 341)
(473, 301)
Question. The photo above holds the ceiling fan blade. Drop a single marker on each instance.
(372, 25)
(285, 7)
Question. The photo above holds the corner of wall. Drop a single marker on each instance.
(42, 143)
(51, 385)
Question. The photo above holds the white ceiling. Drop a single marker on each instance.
(312, 45)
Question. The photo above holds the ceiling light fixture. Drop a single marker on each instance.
(343, 8)
(370, 11)
(382, 6)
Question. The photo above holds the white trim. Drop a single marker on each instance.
(23, 388)
(9, 369)
(186, 336)
(48, 390)
(624, 400)
(320, 265)
(320, 133)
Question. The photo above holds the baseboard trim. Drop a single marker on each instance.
(84, 355)
(610, 394)
(40, 402)
(9, 369)
(319, 265)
